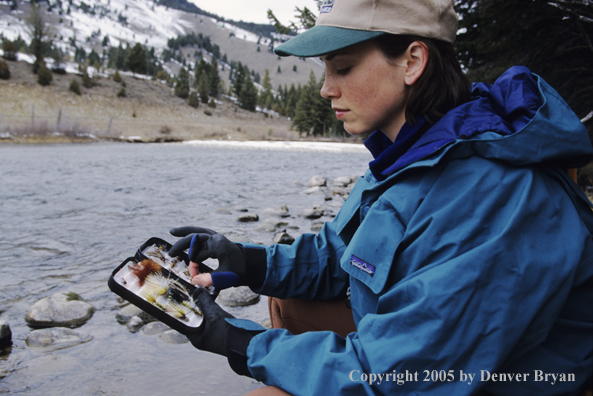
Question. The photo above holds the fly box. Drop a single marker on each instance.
(160, 285)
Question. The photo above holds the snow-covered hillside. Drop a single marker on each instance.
(122, 21)
(84, 24)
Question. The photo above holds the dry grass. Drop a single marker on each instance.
(150, 107)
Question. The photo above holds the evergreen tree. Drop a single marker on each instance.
(74, 87)
(238, 79)
(136, 60)
(313, 113)
(266, 96)
(87, 81)
(182, 85)
(214, 79)
(248, 95)
(203, 86)
(44, 76)
(193, 100)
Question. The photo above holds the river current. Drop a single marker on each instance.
(70, 214)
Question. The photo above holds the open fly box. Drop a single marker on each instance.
(160, 285)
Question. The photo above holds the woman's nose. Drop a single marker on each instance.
(329, 90)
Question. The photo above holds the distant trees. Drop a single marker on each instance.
(39, 34)
(9, 49)
(314, 115)
(136, 60)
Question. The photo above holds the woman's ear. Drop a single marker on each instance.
(417, 58)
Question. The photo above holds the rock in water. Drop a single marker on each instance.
(61, 309)
(5, 334)
(283, 238)
(246, 218)
(317, 181)
(155, 328)
(56, 338)
(173, 337)
(129, 311)
(238, 297)
(135, 324)
(311, 214)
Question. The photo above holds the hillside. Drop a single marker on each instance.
(85, 24)
(149, 109)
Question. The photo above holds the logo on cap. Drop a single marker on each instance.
(326, 6)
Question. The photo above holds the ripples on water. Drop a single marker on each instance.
(71, 213)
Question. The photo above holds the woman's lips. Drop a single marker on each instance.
(340, 113)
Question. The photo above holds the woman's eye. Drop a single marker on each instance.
(343, 71)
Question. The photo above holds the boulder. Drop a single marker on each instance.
(155, 328)
(173, 337)
(60, 309)
(238, 297)
(342, 181)
(124, 315)
(135, 324)
(283, 238)
(317, 181)
(249, 217)
(56, 338)
(312, 190)
(5, 334)
(311, 214)
(280, 212)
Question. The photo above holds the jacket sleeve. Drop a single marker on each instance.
(308, 269)
(478, 278)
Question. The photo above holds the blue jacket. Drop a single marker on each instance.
(473, 256)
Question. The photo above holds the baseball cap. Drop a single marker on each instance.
(342, 23)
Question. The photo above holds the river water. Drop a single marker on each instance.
(71, 213)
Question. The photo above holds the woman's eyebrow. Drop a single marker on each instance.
(334, 54)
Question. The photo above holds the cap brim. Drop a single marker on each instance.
(320, 40)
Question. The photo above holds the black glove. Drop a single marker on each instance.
(219, 336)
(215, 328)
(238, 265)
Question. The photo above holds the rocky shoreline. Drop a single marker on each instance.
(58, 321)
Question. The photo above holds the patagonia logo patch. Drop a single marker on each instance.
(326, 6)
(362, 265)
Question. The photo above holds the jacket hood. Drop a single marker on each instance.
(519, 119)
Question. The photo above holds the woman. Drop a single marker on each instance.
(466, 248)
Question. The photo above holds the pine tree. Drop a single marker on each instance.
(203, 86)
(266, 95)
(44, 76)
(74, 87)
(248, 96)
(87, 81)
(238, 79)
(182, 85)
(136, 60)
(313, 113)
(214, 79)
(193, 100)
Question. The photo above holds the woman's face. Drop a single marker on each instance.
(367, 89)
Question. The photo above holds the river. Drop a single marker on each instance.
(71, 213)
